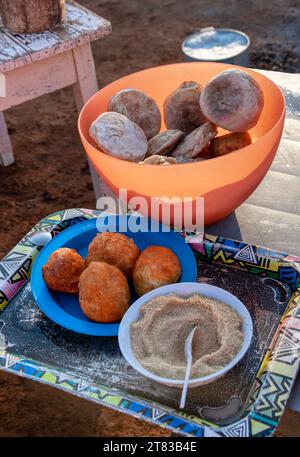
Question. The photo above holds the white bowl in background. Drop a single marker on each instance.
(184, 289)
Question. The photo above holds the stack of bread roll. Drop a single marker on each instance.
(130, 129)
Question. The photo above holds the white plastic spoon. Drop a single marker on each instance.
(189, 360)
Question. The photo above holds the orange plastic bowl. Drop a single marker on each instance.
(226, 181)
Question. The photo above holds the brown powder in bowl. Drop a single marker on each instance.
(158, 336)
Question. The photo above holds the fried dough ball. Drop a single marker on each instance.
(159, 160)
(232, 100)
(224, 144)
(163, 143)
(118, 136)
(195, 143)
(114, 248)
(181, 108)
(155, 267)
(139, 108)
(62, 270)
(104, 294)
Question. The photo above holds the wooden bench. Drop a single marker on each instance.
(35, 64)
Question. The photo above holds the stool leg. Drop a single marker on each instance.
(85, 87)
(6, 152)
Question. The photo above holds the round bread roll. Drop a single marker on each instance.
(222, 145)
(104, 294)
(155, 267)
(164, 142)
(232, 100)
(139, 108)
(62, 270)
(159, 160)
(195, 143)
(118, 136)
(114, 248)
(181, 159)
(181, 108)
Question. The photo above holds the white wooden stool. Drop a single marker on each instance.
(39, 63)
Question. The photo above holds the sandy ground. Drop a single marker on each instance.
(51, 173)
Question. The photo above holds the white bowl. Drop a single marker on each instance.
(184, 289)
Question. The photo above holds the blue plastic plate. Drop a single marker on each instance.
(64, 309)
